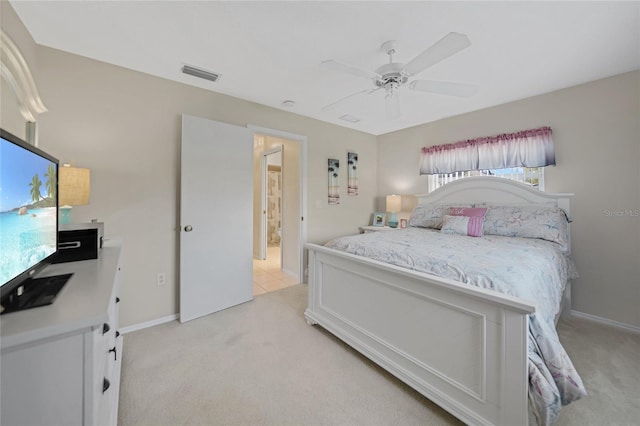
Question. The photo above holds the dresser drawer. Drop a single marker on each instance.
(107, 355)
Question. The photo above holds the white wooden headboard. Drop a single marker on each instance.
(491, 189)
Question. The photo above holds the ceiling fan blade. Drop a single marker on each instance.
(346, 98)
(448, 45)
(348, 69)
(462, 90)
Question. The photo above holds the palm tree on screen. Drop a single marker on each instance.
(35, 188)
(51, 181)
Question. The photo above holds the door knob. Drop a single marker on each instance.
(188, 228)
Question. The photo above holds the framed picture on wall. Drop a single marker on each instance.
(352, 173)
(379, 219)
(334, 181)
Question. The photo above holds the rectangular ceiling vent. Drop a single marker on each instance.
(200, 73)
(349, 118)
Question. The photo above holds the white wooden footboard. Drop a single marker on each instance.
(462, 347)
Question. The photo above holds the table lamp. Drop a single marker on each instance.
(394, 205)
(73, 190)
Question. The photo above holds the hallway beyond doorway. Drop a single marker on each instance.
(267, 275)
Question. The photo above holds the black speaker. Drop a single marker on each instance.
(81, 241)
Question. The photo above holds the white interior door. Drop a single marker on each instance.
(216, 208)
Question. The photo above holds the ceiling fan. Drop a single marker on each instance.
(394, 75)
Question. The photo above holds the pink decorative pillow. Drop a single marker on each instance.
(474, 223)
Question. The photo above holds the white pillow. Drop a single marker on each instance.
(430, 215)
(532, 221)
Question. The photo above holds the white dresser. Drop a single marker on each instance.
(60, 364)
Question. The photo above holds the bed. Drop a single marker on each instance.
(487, 352)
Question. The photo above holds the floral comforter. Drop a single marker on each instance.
(532, 269)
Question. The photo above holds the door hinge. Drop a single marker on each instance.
(301, 218)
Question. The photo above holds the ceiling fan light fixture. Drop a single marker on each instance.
(392, 101)
(391, 88)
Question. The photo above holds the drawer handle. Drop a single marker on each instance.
(117, 300)
(117, 334)
(105, 385)
(115, 354)
(105, 328)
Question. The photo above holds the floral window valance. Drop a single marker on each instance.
(527, 148)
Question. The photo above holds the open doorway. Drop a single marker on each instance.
(272, 206)
(278, 192)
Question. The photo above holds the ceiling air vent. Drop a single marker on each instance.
(200, 73)
(350, 118)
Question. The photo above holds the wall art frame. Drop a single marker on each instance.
(333, 173)
(352, 173)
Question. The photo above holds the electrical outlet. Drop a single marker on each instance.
(161, 279)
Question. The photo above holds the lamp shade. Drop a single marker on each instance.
(74, 185)
(394, 203)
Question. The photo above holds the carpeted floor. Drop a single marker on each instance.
(260, 364)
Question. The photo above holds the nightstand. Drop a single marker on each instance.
(368, 229)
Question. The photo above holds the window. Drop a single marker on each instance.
(532, 176)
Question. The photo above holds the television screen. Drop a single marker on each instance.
(28, 210)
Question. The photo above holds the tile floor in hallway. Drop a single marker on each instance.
(267, 275)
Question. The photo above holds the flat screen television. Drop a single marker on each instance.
(28, 224)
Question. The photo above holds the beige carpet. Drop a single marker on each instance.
(261, 364)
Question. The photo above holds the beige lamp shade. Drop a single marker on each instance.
(74, 185)
(394, 203)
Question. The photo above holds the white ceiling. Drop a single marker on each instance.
(268, 52)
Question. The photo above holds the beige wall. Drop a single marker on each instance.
(290, 206)
(597, 143)
(125, 126)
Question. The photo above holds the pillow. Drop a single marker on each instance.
(430, 215)
(532, 221)
(462, 225)
(474, 225)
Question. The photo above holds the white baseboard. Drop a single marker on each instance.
(148, 324)
(601, 320)
(578, 314)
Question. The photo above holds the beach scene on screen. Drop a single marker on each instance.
(28, 213)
